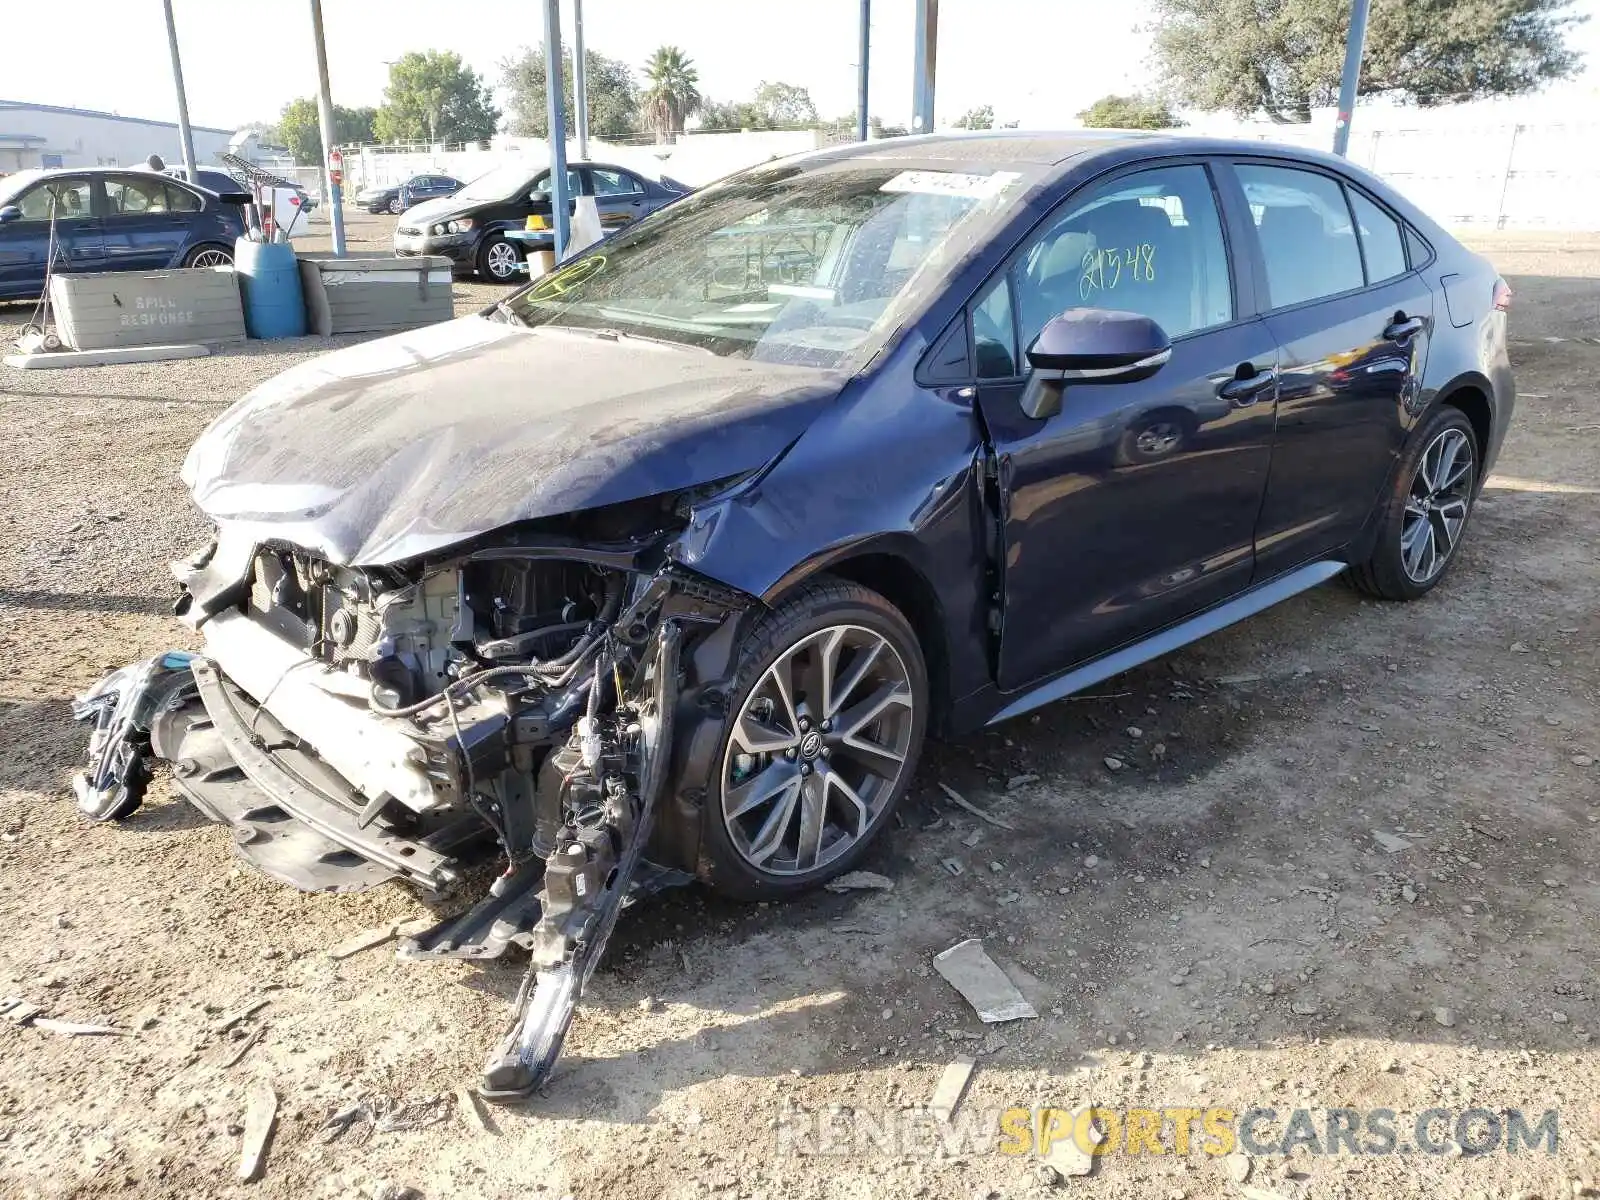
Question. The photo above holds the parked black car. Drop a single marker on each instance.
(469, 227)
(290, 212)
(666, 564)
(401, 196)
(110, 220)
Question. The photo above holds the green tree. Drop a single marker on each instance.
(784, 105)
(1284, 57)
(613, 95)
(299, 129)
(433, 96)
(670, 94)
(1128, 112)
(981, 117)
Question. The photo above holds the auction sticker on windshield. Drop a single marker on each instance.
(951, 183)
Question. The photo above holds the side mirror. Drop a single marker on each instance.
(1091, 345)
(10, 213)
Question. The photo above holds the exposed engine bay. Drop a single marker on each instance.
(515, 701)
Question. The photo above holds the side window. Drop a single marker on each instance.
(1380, 239)
(179, 200)
(1304, 228)
(541, 186)
(134, 197)
(68, 197)
(994, 332)
(614, 183)
(1148, 243)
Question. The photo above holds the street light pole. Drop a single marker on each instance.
(1355, 41)
(922, 69)
(866, 49)
(580, 82)
(330, 189)
(556, 108)
(184, 134)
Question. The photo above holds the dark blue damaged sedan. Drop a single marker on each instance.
(664, 566)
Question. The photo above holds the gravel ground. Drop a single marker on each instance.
(1210, 922)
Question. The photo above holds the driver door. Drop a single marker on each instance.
(1135, 505)
(25, 240)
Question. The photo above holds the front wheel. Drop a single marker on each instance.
(499, 260)
(1425, 516)
(395, 207)
(826, 721)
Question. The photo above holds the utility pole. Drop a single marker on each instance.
(580, 82)
(866, 50)
(1355, 41)
(926, 50)
(330, 189)
(184, 135)
(556, 106)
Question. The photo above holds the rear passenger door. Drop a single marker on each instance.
(1352, 317)
(620, 196)
(143, 232)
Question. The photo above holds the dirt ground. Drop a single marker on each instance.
(1213, 924)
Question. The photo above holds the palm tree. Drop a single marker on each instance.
(671, 95)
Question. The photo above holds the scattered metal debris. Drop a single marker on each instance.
(952, 1085)
(259, 1118)
(76, 1029)
(367, 939)
(961, 802)
(953, 866)
(19, 1011)
(1390, 842)
(243, 1048)
(404, 1116)
(974, 974)
(228, 1020)
(861, 881)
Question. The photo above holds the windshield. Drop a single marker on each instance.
(499, 184)
(13, 186)
(809, 265)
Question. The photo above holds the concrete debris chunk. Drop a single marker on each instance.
(259, 1118)
(952, 865)
(974, 974)
(1068, 1159)
(961, 802)
(1239, 1167)
(952, 1085)
(1390, 842)
(861, 881)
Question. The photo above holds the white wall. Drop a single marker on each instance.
(93, 139)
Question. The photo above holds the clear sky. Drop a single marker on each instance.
(1037, 61)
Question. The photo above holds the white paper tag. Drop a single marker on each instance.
(950, 183)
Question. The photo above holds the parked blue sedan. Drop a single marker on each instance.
(110, 220)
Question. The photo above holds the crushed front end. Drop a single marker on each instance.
(514, 700)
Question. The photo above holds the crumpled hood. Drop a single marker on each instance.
(404, 446)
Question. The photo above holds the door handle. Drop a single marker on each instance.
(1402, 327)
(1247, 390)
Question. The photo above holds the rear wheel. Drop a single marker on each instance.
(209, 256)
(826, 722)
(1424, 518)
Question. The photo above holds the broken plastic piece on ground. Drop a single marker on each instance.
(861, 881)
(974, 974)
(122, 705)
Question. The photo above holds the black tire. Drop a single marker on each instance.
(209, 252)
(491, 257)
(395, 207)
(1385, 574)
(821, 605)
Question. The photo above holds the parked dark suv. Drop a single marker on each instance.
(469, 227)
(110, 220)
(665, 565)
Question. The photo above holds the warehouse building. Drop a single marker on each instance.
(44, 135)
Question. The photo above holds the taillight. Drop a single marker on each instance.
(1502, 296)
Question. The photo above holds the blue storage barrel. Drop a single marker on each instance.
(270, 278)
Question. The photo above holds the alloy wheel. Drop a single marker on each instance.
(502, 260)
(817, 750)
(1436, 509)
(395, 207)
(212, 258)
(1158, 439)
